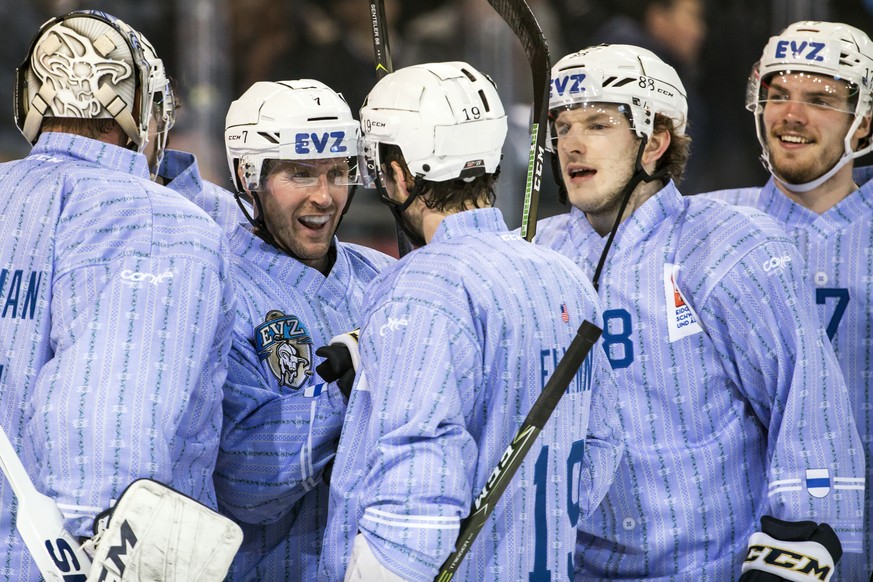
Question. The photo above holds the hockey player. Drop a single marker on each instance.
(457, 341)
(732, 401)
(811, 96)
(292, 148)
(116, 307)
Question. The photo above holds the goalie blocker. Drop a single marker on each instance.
(156, 533)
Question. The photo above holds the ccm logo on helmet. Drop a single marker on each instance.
(574, 82)
(303, 142)
(805, 50)
(776, 263)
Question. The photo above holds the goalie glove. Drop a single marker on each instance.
(156, 533)
(341, 361)
(801, 551)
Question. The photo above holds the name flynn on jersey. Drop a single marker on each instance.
(19, 292)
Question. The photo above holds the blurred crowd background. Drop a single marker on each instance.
(217, 48)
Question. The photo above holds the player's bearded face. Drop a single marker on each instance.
(597, 149)
(806, 118)
(303, 204)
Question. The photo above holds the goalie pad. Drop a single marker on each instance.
(800, 551)
(156, 533)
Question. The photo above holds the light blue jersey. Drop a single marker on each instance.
(281, 422)
(180, 172)
(732, 402)
(838, 248)
(115, 318)
(458, 340)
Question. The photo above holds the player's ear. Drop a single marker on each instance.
(655, 149)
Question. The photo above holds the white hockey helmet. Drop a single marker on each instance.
(90, 65)
(831, 49)
(446, 118)
(624, 75)
(288, 120)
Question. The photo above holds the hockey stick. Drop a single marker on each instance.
(384, 66)
(586, 336)
(56, 552)
(517, 14)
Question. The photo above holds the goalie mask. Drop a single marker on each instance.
(832, 50)
(90, 65)
(304, 121)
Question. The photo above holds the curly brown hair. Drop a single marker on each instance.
(675, 159)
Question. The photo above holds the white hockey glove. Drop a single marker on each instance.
(365, 567)
(341, 361)
(156, 533)
(800, 551)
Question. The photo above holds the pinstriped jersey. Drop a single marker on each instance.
(838, 248)
(114, 326)
(181, 173)
(281, 422)
(458, 340)
(732, 402)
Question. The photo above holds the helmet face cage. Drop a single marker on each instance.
(628, 76)
(304, 122)
(446, 118)
(124, 76)
(826, 49)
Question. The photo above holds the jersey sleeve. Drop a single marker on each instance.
(274, 447)
(777, 353)
(421, 366)
(134, 385)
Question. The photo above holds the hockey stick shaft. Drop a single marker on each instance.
(518, 15)
(586, 336)
(382, 53)
(55, 551)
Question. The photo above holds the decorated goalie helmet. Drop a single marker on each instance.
(90, 65)
(446, 118)
(633, 78)
(834, 50)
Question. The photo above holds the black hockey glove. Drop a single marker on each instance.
(340, 361)
(791, 550)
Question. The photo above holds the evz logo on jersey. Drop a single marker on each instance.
(807, 50)
(305, 143)
(284, 343)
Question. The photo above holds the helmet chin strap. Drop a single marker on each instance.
(397, 209)
(812, 185)
(640, 175)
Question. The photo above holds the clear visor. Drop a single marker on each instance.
(816, 92)
(311, 173)
(589, 120)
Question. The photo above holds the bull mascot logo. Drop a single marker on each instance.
(284, 343)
